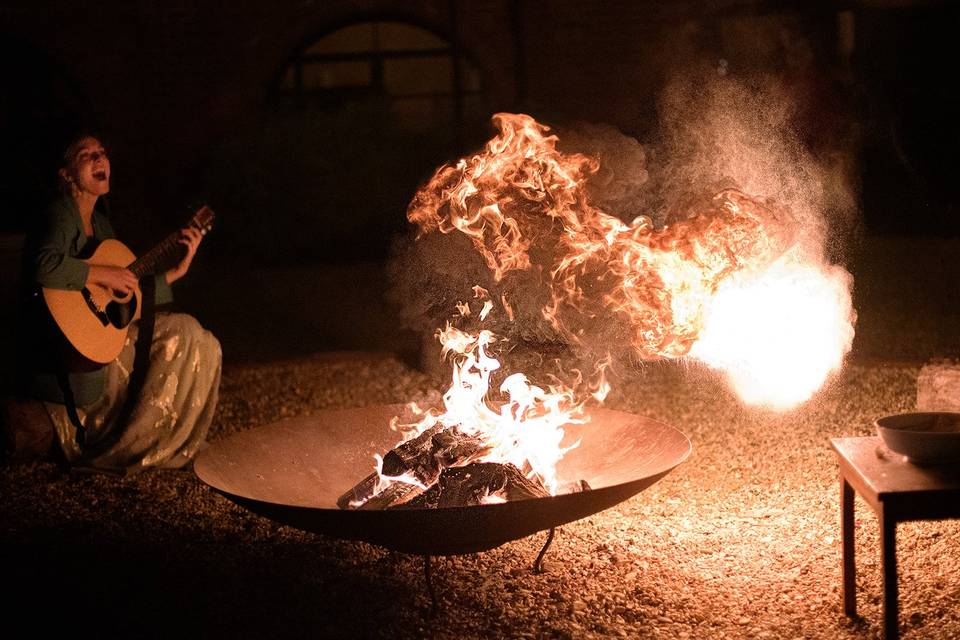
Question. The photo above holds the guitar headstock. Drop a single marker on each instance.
(202, 219)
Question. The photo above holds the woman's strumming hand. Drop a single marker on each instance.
(119, 279)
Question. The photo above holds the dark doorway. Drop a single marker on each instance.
(357, 118)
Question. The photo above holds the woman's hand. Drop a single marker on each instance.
(120, 280)
(189, 237)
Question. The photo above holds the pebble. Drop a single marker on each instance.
(686, 556)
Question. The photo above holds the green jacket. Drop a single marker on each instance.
(53, 255)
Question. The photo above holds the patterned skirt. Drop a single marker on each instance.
(169, 421)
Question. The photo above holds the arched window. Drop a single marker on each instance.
(354, 121)
(420, 78)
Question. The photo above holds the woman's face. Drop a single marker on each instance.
(89, 168)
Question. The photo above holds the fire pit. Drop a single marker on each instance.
(294, 471)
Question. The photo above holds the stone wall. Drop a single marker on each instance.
(166, 80)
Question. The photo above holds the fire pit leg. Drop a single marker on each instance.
(429, 580)
(538, 563)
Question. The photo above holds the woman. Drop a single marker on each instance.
(166, 423)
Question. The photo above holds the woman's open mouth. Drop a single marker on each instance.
(100, 175)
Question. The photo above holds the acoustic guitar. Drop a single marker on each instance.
(95, 320)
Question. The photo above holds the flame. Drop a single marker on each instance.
(518, 166)
(521, 196)
(525, 429)
(779, 333)
(726, 284)
(385, 481)
(659, 282)
(487, 307)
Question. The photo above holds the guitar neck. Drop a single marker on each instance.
(170, 251)
(164, 255)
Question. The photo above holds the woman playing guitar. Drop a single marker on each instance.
(164, 422)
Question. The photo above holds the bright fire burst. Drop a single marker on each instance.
(779, 333)
(728, 285)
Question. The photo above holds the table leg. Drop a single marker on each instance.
(888, 544)
(848, 564)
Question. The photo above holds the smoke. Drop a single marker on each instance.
(717, 130)
(619, 185)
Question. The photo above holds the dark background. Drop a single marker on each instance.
(308, 126)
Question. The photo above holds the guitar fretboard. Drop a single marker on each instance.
(166, 254)
(163, 255)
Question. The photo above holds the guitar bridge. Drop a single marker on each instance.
(97, 311)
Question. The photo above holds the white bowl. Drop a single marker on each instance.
(924, 437)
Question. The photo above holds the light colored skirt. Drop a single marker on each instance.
(169, 422)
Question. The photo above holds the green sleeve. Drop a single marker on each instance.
(51, 256)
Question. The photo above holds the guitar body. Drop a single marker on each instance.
(93, 320)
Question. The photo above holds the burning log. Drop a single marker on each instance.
(422, 460)
(439, 470)
(395, 494)
(477, 483)
(432, 451)
(576, 487)
(360, 493)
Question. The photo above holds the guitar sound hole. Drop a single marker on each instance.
(121, 314)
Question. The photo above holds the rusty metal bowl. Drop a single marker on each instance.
(293, 471)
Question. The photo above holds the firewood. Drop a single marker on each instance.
(412, 455)
(396, 494)
(574, 487)
(454, 448)
(426, 500)
(361, 496)
(425, 457)
(469, 485)
(359, 492)
(432, 451)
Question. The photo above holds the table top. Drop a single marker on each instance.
(885, 474)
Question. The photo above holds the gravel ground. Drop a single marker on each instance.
(742, 540)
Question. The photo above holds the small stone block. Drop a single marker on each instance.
(26, 431)
(938, 387)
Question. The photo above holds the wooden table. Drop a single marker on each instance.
(898, 491)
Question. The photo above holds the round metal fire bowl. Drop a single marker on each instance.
(293, 471)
